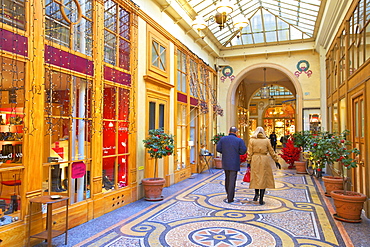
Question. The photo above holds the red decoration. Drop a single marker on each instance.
(290, 153)
(243, 157)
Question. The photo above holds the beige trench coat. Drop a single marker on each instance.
(261, 163)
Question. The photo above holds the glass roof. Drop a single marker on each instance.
(270, 21)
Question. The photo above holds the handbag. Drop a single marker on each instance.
(247, 175)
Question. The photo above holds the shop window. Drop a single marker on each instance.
(181, 71)
(68, 131)
(117, 44)
(69, 23)
(12, 13)
(280, 119)
(312, 120)
(115, 136)
(181, 140)
(12, 100)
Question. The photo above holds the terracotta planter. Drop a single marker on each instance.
(217, 161)
(153, 188)
(349, 206)
(300, 167)
(332, 183)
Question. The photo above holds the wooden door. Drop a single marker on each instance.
(358, 135)
(157, 117)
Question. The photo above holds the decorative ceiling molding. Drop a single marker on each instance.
(332, 18)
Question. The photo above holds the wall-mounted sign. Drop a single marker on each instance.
(78, 169)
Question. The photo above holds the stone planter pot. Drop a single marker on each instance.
(348, 206)
(332, 183)
(300, 167)
(217, 162)
(153, 188)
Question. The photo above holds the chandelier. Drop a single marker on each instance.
(265, 91)
(223, 10)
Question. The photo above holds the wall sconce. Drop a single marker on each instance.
(191, 143)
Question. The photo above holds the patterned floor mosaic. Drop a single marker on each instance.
(294, 214)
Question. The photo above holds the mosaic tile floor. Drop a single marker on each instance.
(294, 214)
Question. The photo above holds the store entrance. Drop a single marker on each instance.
(281, 120)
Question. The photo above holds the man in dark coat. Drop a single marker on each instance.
(273, 140)
(231, 147)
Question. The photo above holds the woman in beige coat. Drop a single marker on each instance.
(261, 163)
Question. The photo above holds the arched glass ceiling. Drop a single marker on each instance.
(271, 21)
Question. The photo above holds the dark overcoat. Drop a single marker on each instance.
(231, 147)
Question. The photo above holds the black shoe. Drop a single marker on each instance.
(262, 202)
(255, 198)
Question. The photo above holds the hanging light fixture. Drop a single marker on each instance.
(223, 10)
(265, 90)
(271, 99)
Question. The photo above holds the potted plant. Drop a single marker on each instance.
(348, 204)
(217, 160)
(301, 139)
(320, 148)
(290, 154)
(158, 144)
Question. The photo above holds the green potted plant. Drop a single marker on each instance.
(158, 144)
(301, 139)
(348, 204)
(320, 148)
(217, 160)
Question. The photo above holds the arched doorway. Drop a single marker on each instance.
(241, 107)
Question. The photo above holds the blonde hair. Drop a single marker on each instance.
(257, 131)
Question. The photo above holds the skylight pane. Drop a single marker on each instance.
(247, 39)
(258, 38)
(298, 16)
(295, 33)
(283, 35)
(271, 36)
(309, 18)
(310, 6)
(269, 21)
(292, 5)
(200, 5)
(256, 23)
(282, 25)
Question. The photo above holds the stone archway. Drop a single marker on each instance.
(231, 118)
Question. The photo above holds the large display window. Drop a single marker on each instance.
(68, 134)
(12, 82)
(115, 136)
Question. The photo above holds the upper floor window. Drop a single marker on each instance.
(69, 23)
(181, 71)
(12, 13)
(116, 35)
(158, 55)
(194, 78)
